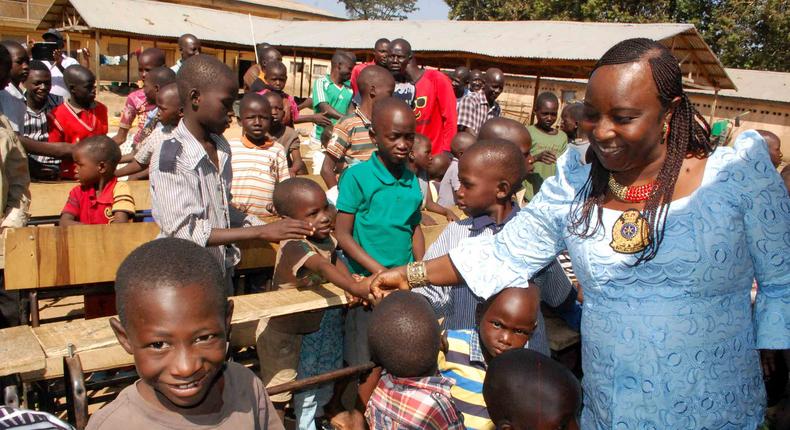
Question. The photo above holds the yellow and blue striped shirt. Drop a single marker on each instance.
(464, 362)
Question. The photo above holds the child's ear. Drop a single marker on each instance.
(503, 189)
(121, 335)
(102, 167)
(445, 344)
(372, 134)
(372, 92)
(194, 98)
(504, 425)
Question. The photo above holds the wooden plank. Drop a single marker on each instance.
(20, 351)
(99, 349)
(48, 198)
(21, 249)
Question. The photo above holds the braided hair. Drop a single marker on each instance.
(688, 135)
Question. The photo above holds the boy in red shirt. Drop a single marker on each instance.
(98, 199)
(79, 117)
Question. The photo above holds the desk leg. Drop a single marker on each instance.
(34, 316)
(76, 395)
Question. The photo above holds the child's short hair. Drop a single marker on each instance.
(76, 73)
(287, 194)
(251, 98)
(39, 66)
(574, 110)
(387, 106)
(554, 391)
(546, 97)
(274, 67)
(171, 263)
(404, 335)
(201, 71)
(503, 156)
(341, 57)
(161, 76)
(101, 148)
(373, 75)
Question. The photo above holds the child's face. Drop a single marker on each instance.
(178, 337)
(84, 91)
(169, 107)
(146, 63)
(480, 186)
(277, 78)
(150, 90)
(212, 105)
(394, 136)
(87, 170)
(38, 85)
(256, 119)
(510, 320)
(421, 153)
(314, 208)
(547, 115)
(20, 65)
(567, 123)
(278, 109)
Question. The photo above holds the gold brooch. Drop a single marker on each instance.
(630, 233)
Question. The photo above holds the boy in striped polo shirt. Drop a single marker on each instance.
(505, 321)
(259, 163)
(350, 142)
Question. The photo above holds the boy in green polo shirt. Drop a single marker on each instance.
(331, 96)
(378, 220)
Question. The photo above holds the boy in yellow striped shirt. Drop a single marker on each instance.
(505, 321)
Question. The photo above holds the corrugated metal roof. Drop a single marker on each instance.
(758, 85)
(293, 5)
(549, 48)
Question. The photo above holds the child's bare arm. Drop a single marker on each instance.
(432, 206)
(328, 170)
(344, 226)
(418, 244)
(297, 164)
(329, 111)
(68, 219)
(120, 137)
(130, 169)
(334, 275)
(320, 119)
(119, 217)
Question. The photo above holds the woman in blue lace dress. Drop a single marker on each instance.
(666, 234)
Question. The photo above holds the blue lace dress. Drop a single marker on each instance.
(671, 343)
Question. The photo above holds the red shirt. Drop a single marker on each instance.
(71, 124)
(355, 75)
(435, 110)
(88, 208)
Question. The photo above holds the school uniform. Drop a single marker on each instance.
(190, 196)
(386, 212)
(70, 124)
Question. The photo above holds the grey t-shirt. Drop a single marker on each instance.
(449, 185)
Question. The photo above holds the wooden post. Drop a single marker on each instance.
(310, 74)
(293, 81)
(534, 99)
(97, 42)
(301, 79)
(713, 107)
(129, 60)
(68, 45)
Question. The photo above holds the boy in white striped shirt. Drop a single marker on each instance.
(259, 163)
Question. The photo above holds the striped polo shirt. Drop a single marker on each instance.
(256, 170)
(464, 362)
(351, 139)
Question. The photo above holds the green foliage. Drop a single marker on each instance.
(391, 10)
(750, 34)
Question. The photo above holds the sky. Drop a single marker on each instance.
(428, 9)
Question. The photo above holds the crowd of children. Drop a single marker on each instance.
(390, 140)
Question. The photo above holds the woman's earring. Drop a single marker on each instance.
(665, 132)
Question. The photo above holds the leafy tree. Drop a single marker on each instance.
(391, 10)
(752, 34)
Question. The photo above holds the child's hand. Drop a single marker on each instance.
(322, 120)
(384, 282)
(428, 221)
(548, 157)
(284, 229)
(451, 216)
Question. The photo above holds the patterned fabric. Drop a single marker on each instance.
(90, 208)
(136, 106)
(671, 343)
(256, 170)
(413, 403)
(458, 304)
(22, 419)
(337, 96)
(465, 364)
(190, 196)
(68, 123)
(322, 351)
(351, 139)
(473, 111)
(36, 128)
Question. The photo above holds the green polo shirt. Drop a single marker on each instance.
(386, 211)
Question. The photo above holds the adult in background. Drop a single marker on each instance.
(475, 108)
(255, 77)
(60, 63)
(188, 45)
(476, 80)
(381, 52)
(434, 104)
(460, 79)
(667, 234)
(397, 61)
